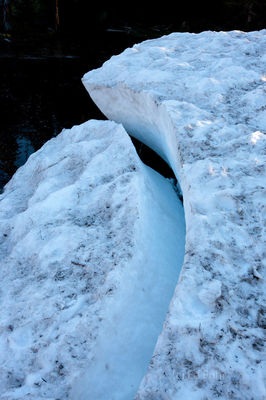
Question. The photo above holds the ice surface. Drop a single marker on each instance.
(199, 101)
(92, 242)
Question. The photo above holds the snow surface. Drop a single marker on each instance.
(92, 242)
(199, 101)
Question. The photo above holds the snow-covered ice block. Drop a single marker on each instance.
(199, 101)
(92, 242)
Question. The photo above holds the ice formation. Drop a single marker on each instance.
(92, 242)
(199, 101)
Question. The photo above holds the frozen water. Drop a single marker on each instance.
(199, 101)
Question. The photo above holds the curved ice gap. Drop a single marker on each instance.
(136, 313)
(152, 159)
(124, 351)
(147, 120)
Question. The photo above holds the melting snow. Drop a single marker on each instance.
(199, 101)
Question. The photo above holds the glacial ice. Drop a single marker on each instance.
(199, 101)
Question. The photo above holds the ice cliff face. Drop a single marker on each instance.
(199, 101)
(92, 242)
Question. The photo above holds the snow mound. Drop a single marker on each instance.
(199, 101)
(92, 242)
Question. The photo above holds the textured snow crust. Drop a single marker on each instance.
(199, 100)
(92, 242)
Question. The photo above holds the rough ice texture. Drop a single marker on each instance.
(199, 101)
(90, 240)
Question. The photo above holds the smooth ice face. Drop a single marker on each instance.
(199, 101)
(134, 316)
(92, 242)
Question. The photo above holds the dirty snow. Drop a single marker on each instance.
(199, 100)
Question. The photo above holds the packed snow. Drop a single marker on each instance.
(199, 101)
(92, 242)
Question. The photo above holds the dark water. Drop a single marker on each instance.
(38, 98)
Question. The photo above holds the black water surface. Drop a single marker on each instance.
(38, 98)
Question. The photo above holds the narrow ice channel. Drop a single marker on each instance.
(135, 316)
